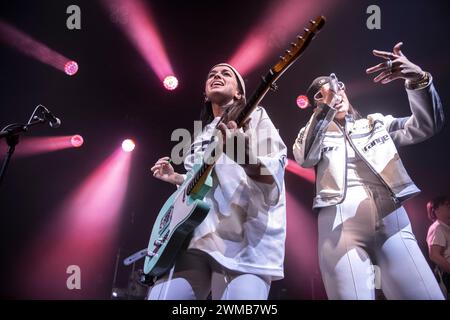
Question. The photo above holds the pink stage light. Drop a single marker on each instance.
(280, 23)
(84, 234)
(30, 146)
(128, 145)
(302, 101)
(27, 45)
(136, 21)
(170, 83)
(70, 68)
(77, 141)
(307, 174)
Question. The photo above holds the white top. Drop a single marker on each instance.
(245, 229)
(439, 234)
(358, 172)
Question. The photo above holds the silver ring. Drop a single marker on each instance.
(389, 65)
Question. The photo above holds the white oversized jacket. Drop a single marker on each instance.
(321, 144)
(245, 229)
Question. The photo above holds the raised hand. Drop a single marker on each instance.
(164, 171)
(396, 66)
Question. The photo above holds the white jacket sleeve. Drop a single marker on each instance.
(426, 120)
(308, 145)
(272, 154)
(236, 187)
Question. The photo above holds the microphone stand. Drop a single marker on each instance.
(11, 133)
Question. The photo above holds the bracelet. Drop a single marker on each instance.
(418, 84)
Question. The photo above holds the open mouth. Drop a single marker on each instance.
(216, 84)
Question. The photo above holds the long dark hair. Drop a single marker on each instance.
(207, 115)
(354, 112)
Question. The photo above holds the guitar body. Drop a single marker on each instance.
(176, 220)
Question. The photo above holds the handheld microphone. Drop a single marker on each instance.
(53, 121)
(334, 87)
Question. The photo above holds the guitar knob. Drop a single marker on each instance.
(152, 254)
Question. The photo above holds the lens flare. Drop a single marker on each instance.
(31, 47)
(137, 21)
(70, 68)
(128, 145)
(82, 235)
(77, 141)
(302, 102)
(170, 82)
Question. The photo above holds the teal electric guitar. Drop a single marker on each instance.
(185, 209)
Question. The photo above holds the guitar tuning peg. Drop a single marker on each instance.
(282, 58)
(294, 44)
(300, 38)
(306, 29)
(312, 21)
(288, 52)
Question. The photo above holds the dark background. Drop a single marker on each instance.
(115, 95)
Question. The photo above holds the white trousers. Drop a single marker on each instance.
(366, 242)
(196, 275)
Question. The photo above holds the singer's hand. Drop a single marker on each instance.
(251, 165)
(229, 132)
(164, 171)
(401, 68)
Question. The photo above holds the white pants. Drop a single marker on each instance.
(196, 274)
(366, 242)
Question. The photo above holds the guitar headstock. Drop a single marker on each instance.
(299, 45)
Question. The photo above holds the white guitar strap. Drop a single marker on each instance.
(167, 284)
